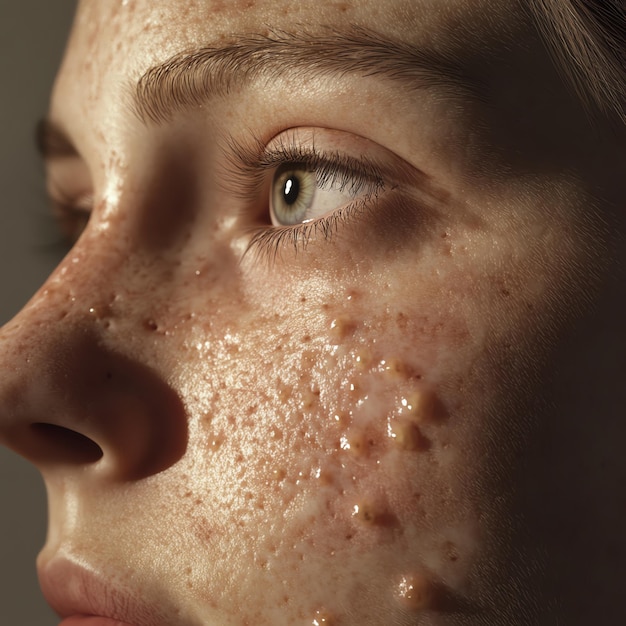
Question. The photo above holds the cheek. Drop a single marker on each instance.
(329, 443)
(345, 444)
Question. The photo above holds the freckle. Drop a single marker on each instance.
(279, 474)
(401, 321)
(341, 327)
(407, 435)
(415, 592)
(421, 405)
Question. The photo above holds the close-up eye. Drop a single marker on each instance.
(308, 182)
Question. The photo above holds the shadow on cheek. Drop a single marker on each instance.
(171, 201)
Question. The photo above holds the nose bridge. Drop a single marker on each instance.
(71, 393)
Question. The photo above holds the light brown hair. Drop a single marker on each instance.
(588, 40)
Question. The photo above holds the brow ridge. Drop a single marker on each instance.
(188, 79)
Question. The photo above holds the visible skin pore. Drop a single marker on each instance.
(414, 422)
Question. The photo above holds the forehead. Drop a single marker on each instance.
(128, 36)
(192, 19)
(114, 43)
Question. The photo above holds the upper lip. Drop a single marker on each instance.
(75, 588)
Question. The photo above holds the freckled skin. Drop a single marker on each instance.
(351, 417)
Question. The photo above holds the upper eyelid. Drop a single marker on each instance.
(247, 160)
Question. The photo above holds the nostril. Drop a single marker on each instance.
(59, 444)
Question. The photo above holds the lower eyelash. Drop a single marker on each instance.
(268, 242)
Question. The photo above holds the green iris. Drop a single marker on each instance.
(293, 191)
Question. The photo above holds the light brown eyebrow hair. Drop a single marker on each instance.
(189, 79)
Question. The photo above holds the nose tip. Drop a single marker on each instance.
(69, 401)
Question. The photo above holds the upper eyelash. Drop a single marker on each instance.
(249, 162)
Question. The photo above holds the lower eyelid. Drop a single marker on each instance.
(269, 243)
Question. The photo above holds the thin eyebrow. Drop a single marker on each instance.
(52, 142)
(189, 79)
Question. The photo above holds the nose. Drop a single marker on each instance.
(78, 391)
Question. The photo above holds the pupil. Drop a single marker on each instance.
(291, 190)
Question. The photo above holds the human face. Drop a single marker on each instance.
(242, 419)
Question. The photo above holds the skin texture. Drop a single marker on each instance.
(416, 421)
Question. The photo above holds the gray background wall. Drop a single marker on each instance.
(32, 36)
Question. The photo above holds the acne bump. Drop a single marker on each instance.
(394, 369)
(371, 514)
(309, 399)
(150, 325)
(101, 311)
(324, 476)
(415, 592)
(216, 442)
(357, 444)
(420, 405)
(363, 359)
(407, 435)
(342, 327)
(323, 618)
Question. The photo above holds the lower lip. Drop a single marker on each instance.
(81, 620)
